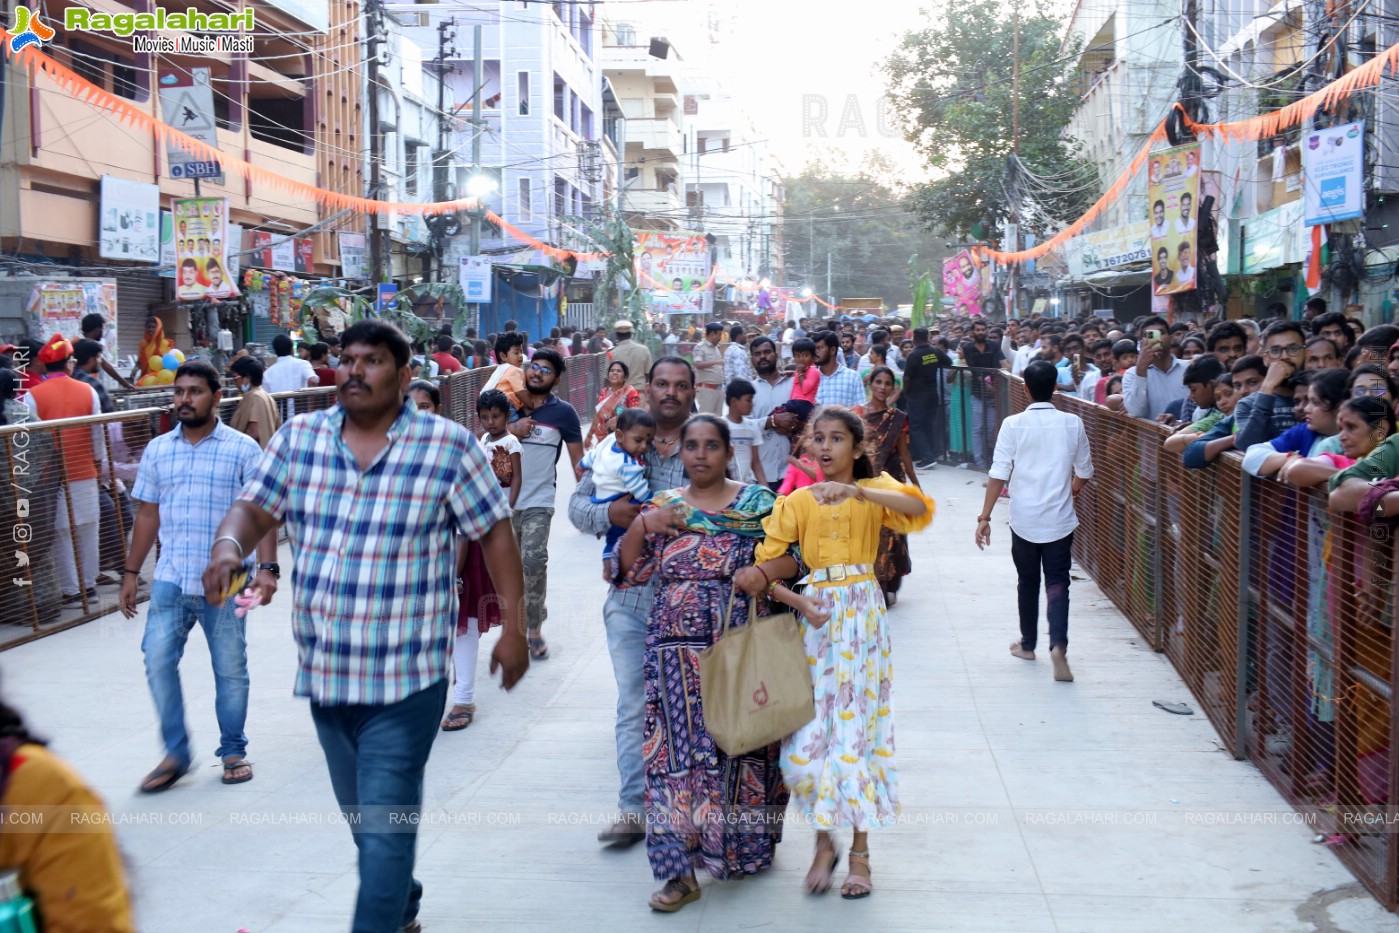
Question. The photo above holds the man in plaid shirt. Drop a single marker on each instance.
(374, 495)
(670, 389)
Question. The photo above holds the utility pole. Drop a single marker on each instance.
(446, 51)
(374, 27)
(829, 293)
(478, 82)
(1014, 231)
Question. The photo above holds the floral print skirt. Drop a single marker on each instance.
(840, 766)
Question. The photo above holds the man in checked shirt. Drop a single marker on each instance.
(670, 393)
(374, 495)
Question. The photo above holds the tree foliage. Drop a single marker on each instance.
(952, 87)
(863, 221)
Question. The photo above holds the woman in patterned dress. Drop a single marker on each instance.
(615, 396)
(703, 808)
(886, 429)
(840, 765)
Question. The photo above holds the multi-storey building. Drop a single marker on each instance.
(290, 106)
(645, 74)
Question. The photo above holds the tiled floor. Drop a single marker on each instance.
(1029, 805)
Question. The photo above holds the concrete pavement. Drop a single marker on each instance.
(1029, 805)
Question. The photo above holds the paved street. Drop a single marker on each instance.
(1030, 805)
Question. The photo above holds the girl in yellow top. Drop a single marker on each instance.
(840, 766)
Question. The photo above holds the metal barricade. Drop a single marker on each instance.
(1277, 613)
(50, 562)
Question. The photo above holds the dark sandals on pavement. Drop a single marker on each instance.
(163, 777)
(237, 770)
(459, 717)
(538, 648)
(857, 886)
(676, 894)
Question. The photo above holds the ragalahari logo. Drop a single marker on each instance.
(28, 29)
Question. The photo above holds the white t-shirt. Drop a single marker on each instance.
(288, 374)
(746, 435)
(498, 452)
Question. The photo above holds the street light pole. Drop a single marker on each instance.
(477, 79)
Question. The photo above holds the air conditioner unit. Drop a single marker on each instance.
(414, 18)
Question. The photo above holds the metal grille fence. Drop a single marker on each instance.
(48, 563)
(1276, 612)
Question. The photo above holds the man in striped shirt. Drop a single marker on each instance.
(374, 495)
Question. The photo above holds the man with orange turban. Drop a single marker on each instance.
(82, 451)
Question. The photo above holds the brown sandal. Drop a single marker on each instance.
(163, 777)
(234, 764)
(681, 886)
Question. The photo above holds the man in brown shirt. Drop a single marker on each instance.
(256, 414)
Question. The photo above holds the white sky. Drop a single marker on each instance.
(776, 52)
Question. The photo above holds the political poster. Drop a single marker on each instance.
(130, 220)
(964, 282)
(675, 271)
(201, 249)
(1333, 173)
(1173, 191)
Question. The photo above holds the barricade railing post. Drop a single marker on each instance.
(1243, 616)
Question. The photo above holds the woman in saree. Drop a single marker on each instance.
(696, 538)
(886, 439)
(615, 396)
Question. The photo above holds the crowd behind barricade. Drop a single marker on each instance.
(1244, 522)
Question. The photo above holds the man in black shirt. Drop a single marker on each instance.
(923, 389)
(981, 355)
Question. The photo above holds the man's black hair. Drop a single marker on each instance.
(201, 370)
(281, 345)
(249, 369)
(373, 333)
(1040, 379)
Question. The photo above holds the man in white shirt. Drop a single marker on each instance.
(288, 374)
(1159, 231)
(1046, 450)
(1185, 274)
(1185, 224)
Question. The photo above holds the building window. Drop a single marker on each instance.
(585, 122)
(88, 62)
(526, 212)
(560, 99)
(125, 81)
(410, 169)
(560, 196)
(523, 82)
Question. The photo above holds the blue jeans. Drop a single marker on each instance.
(626, 643)
(376, 756)
(170, 618)
(983, 412)
(1054, 557)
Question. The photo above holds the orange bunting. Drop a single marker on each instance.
(1260, 127)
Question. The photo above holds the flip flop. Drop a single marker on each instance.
(167, 774)
(538, 649)
(459, 718)
(232, 764)
(822, 881)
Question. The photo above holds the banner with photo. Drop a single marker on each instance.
(201, 249)
(1173, 193)
(675, 271)
(964, 282)
(1108, 249)
(1333, 173)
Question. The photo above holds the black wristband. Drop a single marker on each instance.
(129, 570)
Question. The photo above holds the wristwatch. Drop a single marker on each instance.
(275, 569)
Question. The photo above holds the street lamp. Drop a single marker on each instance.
(479, 186)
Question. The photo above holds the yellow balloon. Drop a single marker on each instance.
(147, 380)
(155, 364)
(165, 377)
(179, 355)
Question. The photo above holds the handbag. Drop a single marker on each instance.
(755, 683)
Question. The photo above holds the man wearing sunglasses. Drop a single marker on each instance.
(545, 424)
(1284, 349)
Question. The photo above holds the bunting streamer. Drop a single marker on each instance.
(1260, 127)
(35, 62)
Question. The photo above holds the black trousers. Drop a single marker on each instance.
(925, 435)
(1054, 558)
